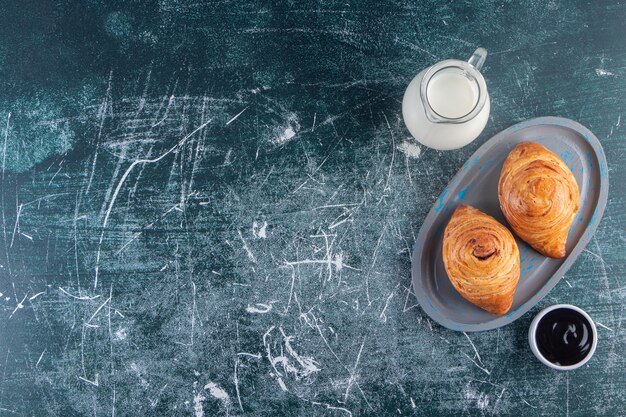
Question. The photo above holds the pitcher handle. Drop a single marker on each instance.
(478, 58)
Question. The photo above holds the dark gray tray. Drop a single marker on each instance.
(477, 184)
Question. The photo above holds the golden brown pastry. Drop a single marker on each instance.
(482, 259)
(539, 197)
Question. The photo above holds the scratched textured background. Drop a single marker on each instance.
(208, 208)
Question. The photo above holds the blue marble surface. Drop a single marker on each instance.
(207, 208)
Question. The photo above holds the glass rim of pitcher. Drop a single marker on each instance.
(467, 68)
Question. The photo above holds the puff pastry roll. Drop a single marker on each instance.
(482, 259)
(539, 197)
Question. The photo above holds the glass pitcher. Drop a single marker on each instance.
(446, 106)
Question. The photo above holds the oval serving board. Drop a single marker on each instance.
(476, 184)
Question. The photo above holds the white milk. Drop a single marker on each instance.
(446, 106)
(451, 94)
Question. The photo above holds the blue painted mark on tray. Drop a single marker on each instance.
(524, 252)
(443, 196)
(474, 161)
(603, 170)
(593, 217)
(487, 164)
(463, 192)
(567, 157)
(590, 158)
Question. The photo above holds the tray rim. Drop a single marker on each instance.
(598, 212)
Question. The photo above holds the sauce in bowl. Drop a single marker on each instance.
(564, 336)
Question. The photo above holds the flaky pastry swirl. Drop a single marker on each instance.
(482, 259)
(539, 197)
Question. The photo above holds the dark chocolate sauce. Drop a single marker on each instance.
(564, 336)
